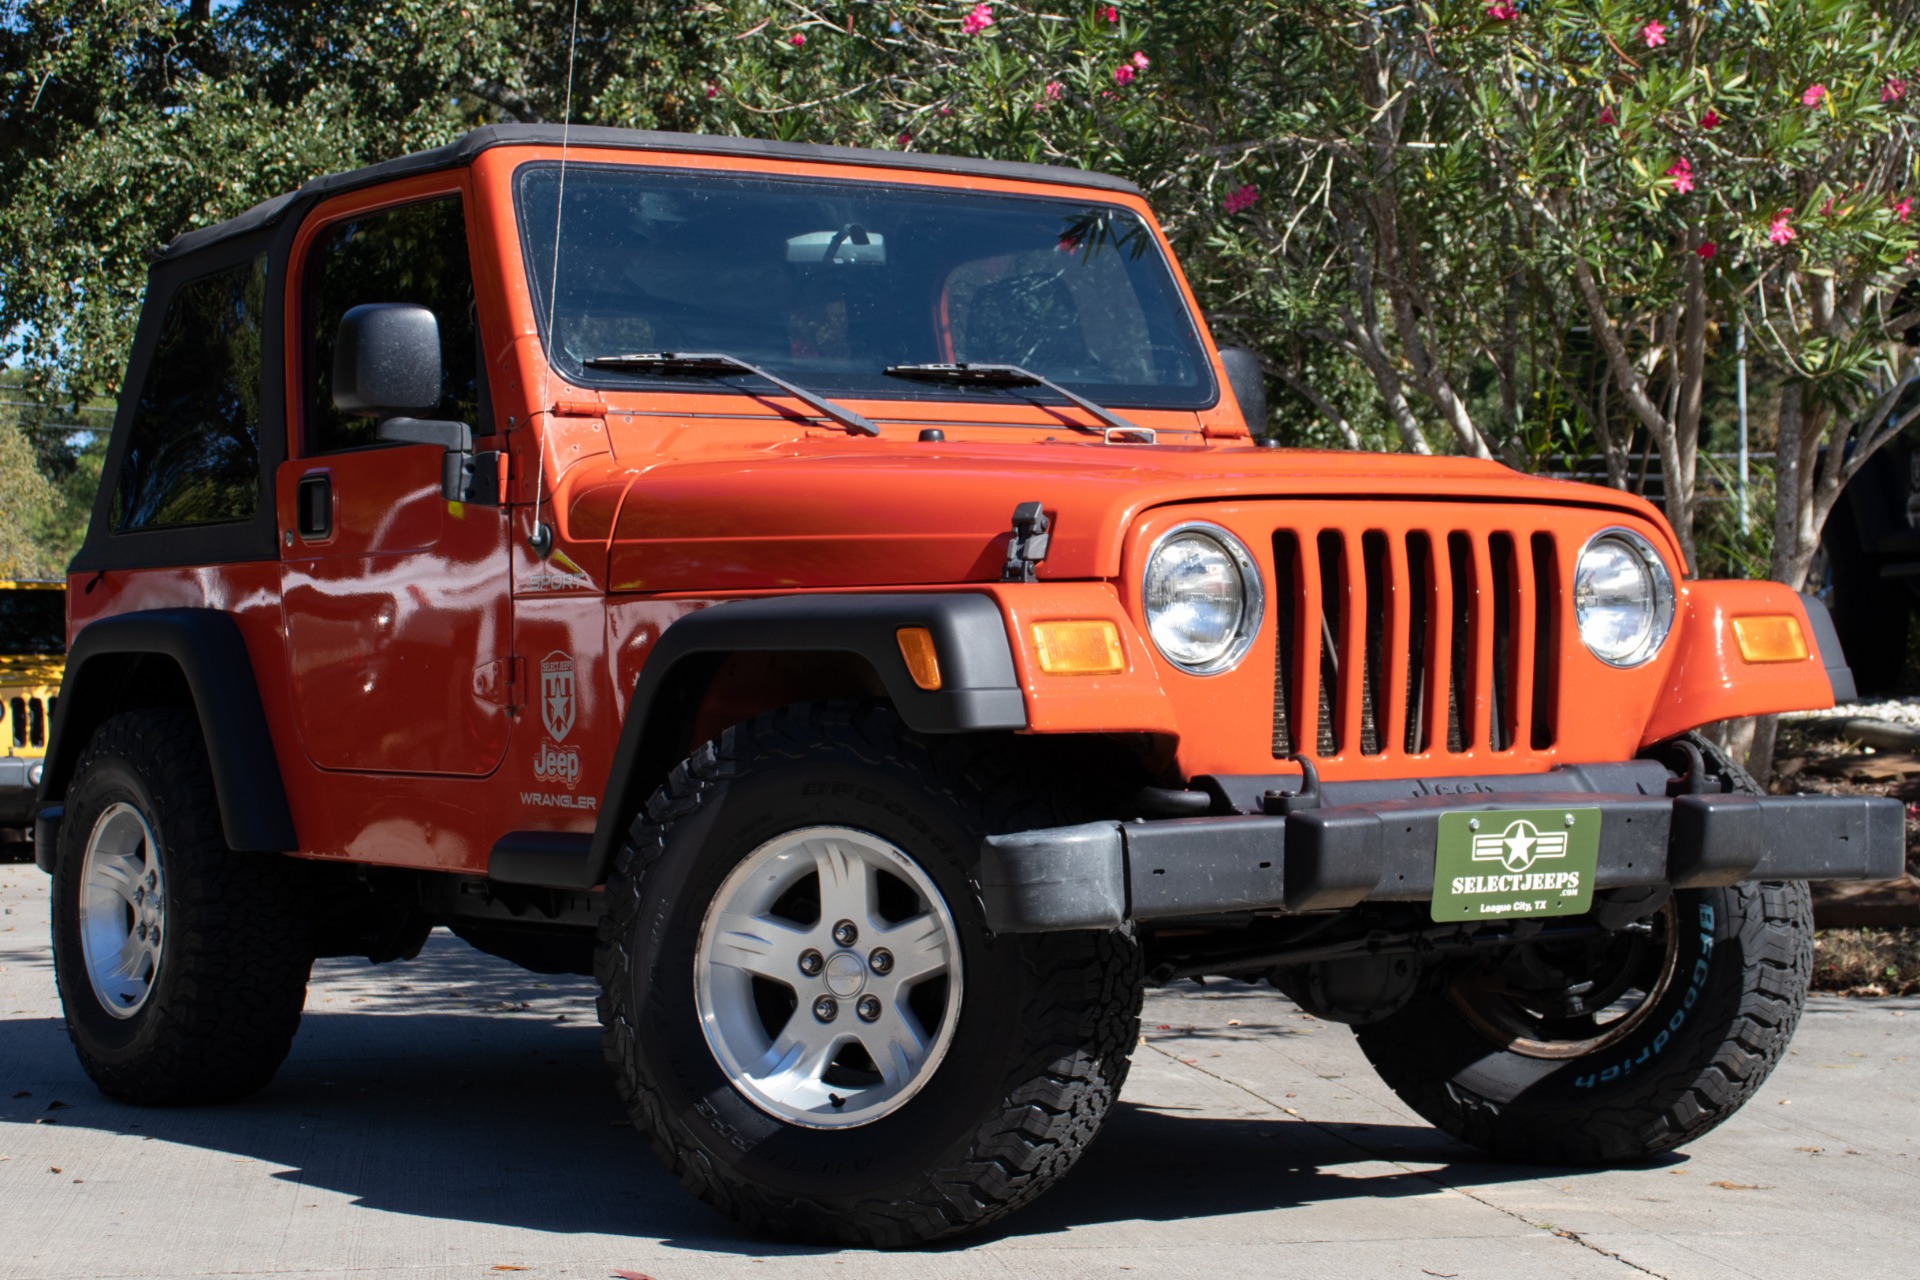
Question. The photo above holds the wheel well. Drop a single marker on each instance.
(195, 660)
(707, 692)
(113, 683)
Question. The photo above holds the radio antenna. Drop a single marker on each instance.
(541, 537)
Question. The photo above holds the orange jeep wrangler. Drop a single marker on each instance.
(834, 598)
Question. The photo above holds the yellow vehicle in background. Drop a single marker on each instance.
(33, 646)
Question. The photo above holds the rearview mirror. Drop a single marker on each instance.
(1249, 386)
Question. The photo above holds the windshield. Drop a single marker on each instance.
(32, 620)
(828, 283)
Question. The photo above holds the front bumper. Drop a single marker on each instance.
(19, 789)
(1363, 844)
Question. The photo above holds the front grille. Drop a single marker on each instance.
(1422, 641)
(27, 720)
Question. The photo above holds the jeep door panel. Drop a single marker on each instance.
(395, 610)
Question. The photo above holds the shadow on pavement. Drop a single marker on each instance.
(414, 1105)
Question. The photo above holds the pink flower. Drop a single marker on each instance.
(946, 111)
(1710, 120)
(978, 20)
(905, 139)
(1139, 60)
(1681, 171)
(1813, 95)
(1501, 12)
(1894, 90)
(1778, 231)
(1706, 249)
(1655, 34)
(1240, 198)
(796, 39)
(1903, 208)
(1123, 74)
(1607, 116)
(713, 90)
(1054, 90)
(1111, 14)
(1067, 245)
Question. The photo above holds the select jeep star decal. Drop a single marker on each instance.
(1509, 863)
(556, 694)
(1519, 846)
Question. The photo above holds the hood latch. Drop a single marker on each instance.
(1028, 546)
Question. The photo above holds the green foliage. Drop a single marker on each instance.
(1400, 206)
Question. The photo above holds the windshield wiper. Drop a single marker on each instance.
(1008, 375)
(711, 364)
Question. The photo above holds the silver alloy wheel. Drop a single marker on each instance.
(122, 909)
(866, 1030)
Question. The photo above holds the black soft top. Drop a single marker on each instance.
(462, 151)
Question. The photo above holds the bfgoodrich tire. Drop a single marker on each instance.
(181, 964)
(792, 1075)
(1500, 1060)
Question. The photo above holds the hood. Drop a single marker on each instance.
(834, 513)
(30, 671)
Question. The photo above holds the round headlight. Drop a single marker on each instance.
(1203, 598)
(1622, 598)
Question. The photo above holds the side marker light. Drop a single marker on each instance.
(1089, 648)
(1770, 639)
(923, 663)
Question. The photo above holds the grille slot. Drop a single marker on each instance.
(1286, 552)
(28, 719)
(1412, 640)
(1333, 601)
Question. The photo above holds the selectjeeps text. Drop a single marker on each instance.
(833, 598)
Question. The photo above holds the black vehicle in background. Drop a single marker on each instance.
(1868, 567)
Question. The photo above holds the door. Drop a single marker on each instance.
(397, 602)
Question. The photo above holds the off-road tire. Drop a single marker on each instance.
(1740, 982)
(1041, 1047)
(235, 956)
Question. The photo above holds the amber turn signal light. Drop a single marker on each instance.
(1090, 648)
(923, 663)
(1771, 639)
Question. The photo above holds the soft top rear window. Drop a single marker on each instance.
(829, 282)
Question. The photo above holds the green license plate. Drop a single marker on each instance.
(1514, 863)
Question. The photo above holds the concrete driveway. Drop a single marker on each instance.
(451, 1118)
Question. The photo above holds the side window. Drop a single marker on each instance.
(415, 253)
(193, 449)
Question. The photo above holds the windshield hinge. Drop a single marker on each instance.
(1028, 546)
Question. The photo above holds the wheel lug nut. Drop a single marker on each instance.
(868, 1008)
(881, 961)
(810, 963)
(826, 1008)
(845, 934)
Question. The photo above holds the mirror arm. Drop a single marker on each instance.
(454, 437)
(465, 476)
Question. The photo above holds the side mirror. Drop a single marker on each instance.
(386, 360)
(386, 365)
(1249, 386)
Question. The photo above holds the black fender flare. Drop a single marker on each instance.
(979, 687)
(205, 644)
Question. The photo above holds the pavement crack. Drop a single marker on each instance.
(1566, 1234)
(1562, 1232)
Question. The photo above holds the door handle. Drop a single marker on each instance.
(313, 506)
